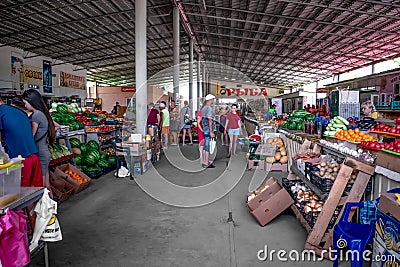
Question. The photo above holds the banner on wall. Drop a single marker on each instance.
(72, 81)
(278, 103)
(47, 77)
(32, 75)
(241, 92)
(125, 89)
(16, 68)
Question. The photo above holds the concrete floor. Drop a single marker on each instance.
(115, 223)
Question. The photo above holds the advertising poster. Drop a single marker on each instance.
(47, 77)
(278, 103)
(72, 81)
(32, 75)
(16, 71)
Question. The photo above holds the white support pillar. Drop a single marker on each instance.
(176, 52)
(141, 65)
(191, 75)
(203, 87)
(198, 83)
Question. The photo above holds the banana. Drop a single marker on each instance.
(7, 165)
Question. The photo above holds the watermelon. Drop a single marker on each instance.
(83, 148)
(93, 145)
(61, 108)
(92, 157)
(74, 142)
(112, 159)
(104, 163)
(78, 159)
(103, 155)
(93, 168)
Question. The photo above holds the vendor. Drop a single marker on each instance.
(368, 109)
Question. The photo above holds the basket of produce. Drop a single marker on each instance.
(93, 172)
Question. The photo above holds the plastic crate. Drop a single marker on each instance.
(395, 105)
(309, 168)
(106, 170)
(350, 185)
(324, 184)
(382, 105)
(93, 174)
(287, 184)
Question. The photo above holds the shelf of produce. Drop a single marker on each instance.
(105, 146)
(390, 110)
(61, 159)
(301, 218)
(313, 187)
(390, 135)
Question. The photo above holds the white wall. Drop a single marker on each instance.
(5, 72)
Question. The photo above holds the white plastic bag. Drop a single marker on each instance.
(213, 145)
(52, 233)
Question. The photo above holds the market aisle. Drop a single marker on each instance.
(114, 223)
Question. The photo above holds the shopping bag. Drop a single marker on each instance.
(52, 232)
(187, 120)
(213, 145)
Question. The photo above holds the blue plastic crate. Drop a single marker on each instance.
(395, 105)
(382, 105)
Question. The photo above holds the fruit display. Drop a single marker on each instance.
(296, 119)
(372, 145)
(280, 153)
(100, 129)
(63, 116)
(335, 125)
(385, 129)
(109, 151)
(393, 147)
(105, 137)
(355, 136)
(58, 151)
(76, 176)
(64, 108)
(89, 157)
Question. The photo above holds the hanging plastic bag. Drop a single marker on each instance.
(47, 227)
(14, 250)
(213, 145)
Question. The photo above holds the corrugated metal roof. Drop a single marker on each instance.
(280, 43)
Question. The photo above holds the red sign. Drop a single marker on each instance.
(242, 92)
(128, 89)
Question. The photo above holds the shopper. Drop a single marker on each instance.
(200, 135)
(164, 124)
(186, 113)
(174, 123)
(222, 122)
(153, 119)
(16, 132)
(234, 127)
(209, 128)
(43, 129)
(368, 109)
(115, 108)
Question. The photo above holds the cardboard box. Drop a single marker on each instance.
(387, 231)
(387, 160)
(77, 187)
(256, 164)
(276, 202)
(136, 138)
(388, 204)
(382, 257)
(61, 195)
(277, 166)
(263, 192)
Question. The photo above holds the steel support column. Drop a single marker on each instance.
(176, 52)
(191, 75)
(198, 83)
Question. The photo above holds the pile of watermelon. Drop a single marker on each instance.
(89, 157)
(63, 116)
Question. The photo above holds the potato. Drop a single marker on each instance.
(270, 140)
(284, 159)
(283, 152)
(323, 164)
(270, 159)
(277, 156)
(335, 169)
(329, 170)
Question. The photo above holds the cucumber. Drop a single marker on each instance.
(329, 133)
(338, 126)
(344, 121)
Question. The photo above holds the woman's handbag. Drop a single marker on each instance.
(213, 145)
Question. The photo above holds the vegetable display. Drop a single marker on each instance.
(356, 136)
(58, 151)
(280, 154)
(335, 125)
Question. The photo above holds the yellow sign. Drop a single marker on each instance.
(32, 75)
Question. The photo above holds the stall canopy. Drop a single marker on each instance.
(280, 43)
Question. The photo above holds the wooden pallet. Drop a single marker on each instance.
(319, 239)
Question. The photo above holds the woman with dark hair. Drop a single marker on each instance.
(43, 129)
